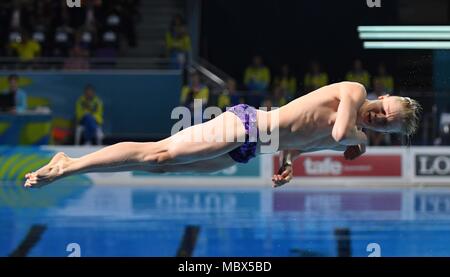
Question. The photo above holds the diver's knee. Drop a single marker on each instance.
(159, 158)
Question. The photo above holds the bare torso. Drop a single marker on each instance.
(306, 123)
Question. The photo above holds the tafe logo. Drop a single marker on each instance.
(324, 167)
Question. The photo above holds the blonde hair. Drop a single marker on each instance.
(410, 115)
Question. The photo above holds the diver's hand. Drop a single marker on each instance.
(354, 151)
(284, 175)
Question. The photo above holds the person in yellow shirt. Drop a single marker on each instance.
(25, 48)
(315, 78)
(194, 90)
(89, 114)
(385, 79)
(257, 80)
(178, 44)
(358, 74)
(287, 82)
(19, 95)
(257, 75)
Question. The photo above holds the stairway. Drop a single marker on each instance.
(156, 16)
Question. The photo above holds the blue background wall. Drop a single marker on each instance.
(136, 103)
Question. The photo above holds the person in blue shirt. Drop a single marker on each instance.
(20, 95)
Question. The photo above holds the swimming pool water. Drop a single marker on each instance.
(232, 220)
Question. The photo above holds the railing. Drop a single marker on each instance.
(77, 63)
(215, 78)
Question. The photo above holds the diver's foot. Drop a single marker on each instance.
(48, 173)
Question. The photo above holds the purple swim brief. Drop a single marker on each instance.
(247, 114)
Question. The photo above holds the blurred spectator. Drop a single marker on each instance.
(385, 79)
(89, 117)
(315, 78)
(176, 22)
(194, 90)
(358, 74)
(51, 24)
(178, 42)
(25, 48)
(18, 95)
(229, 97)
(257, 75)
(287, 82)
(257, 80)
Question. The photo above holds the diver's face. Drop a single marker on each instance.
(383, 115)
